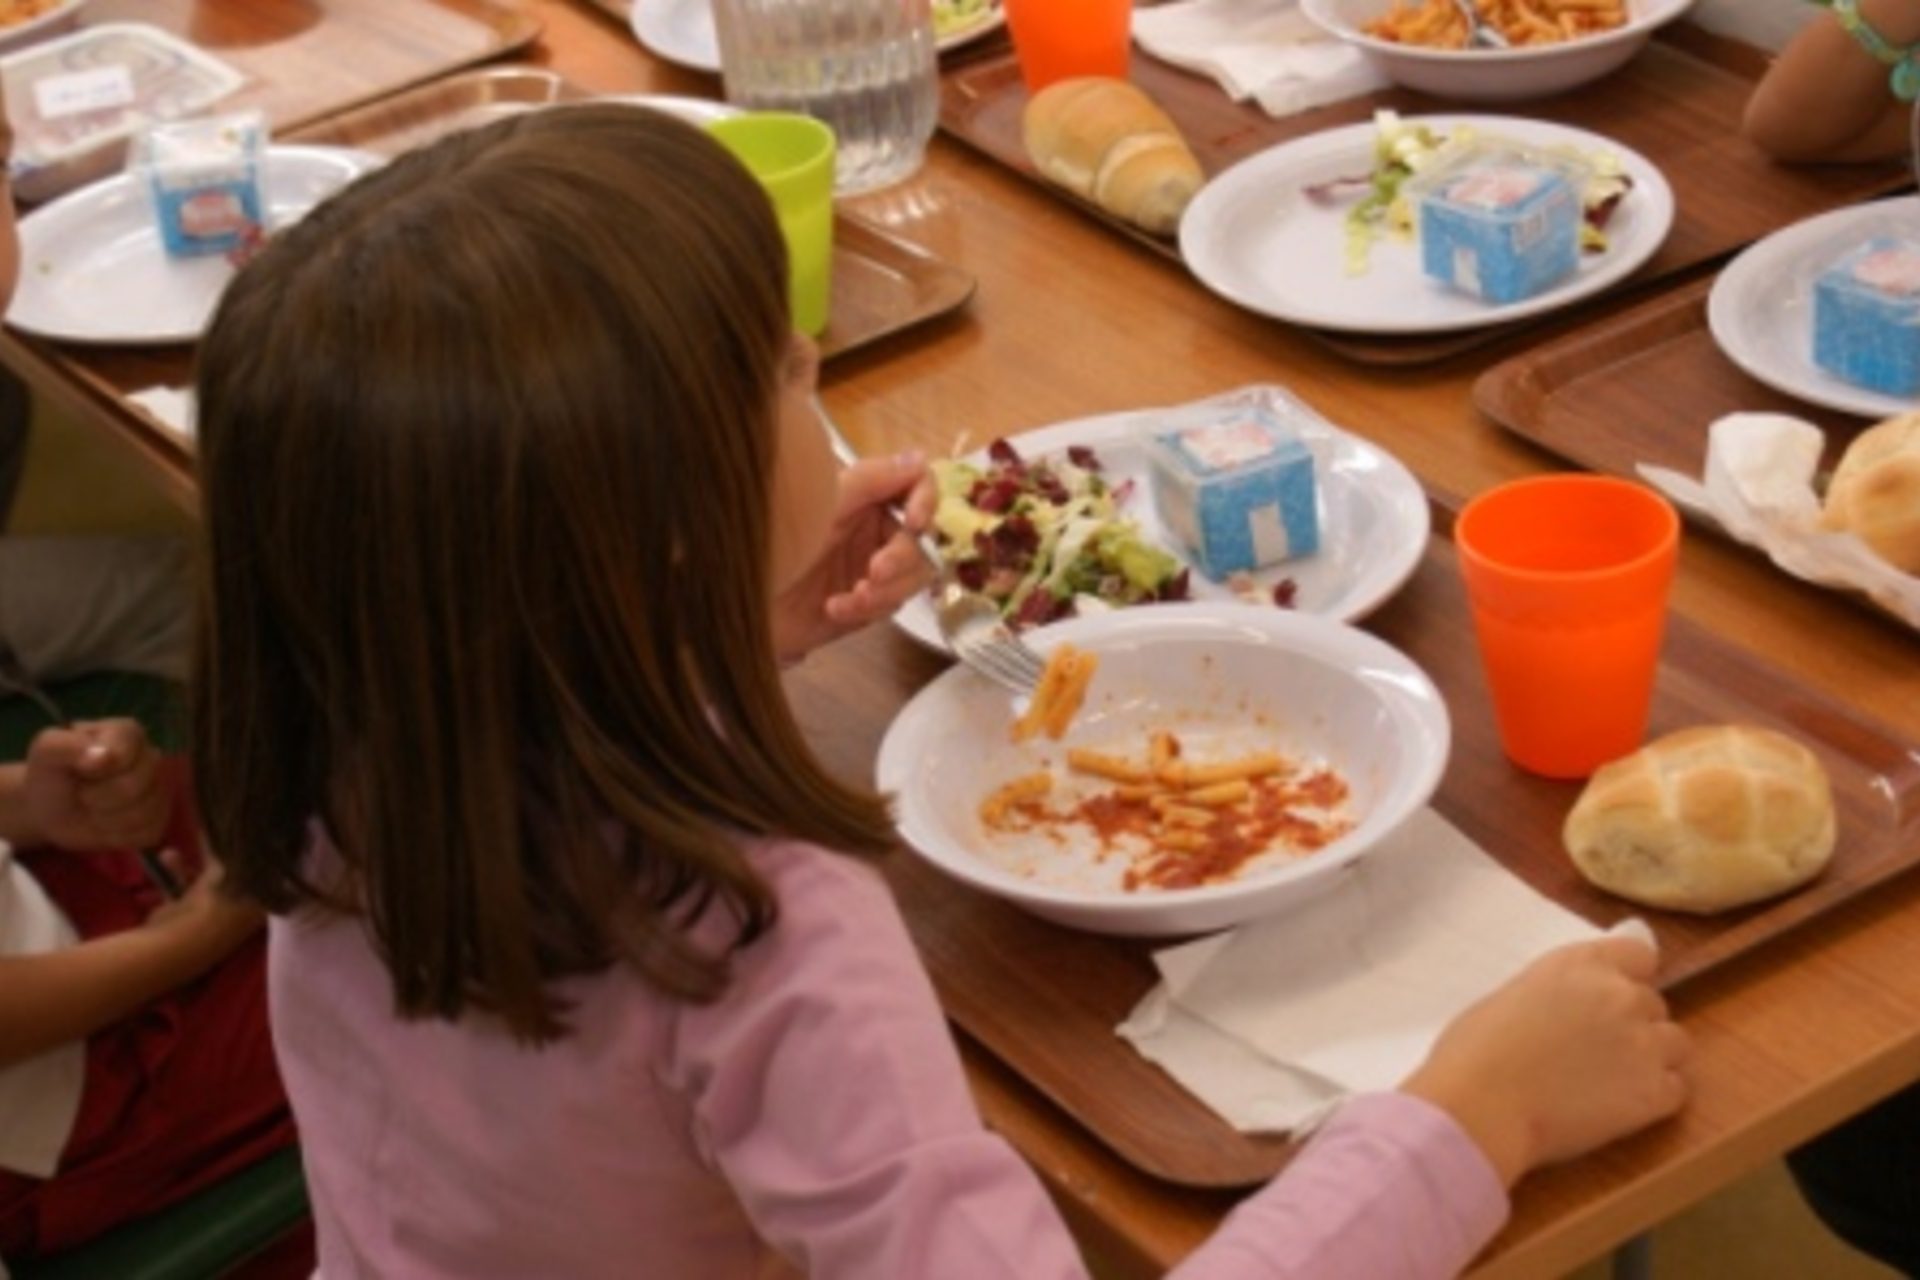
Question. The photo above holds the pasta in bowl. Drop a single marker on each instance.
(1220, 764)
(22, 22)
(1556, 44)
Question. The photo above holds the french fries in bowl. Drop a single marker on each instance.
(1555, 44)
(1212, 764)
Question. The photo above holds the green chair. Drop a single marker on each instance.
(197, 1239)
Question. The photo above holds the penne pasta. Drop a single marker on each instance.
(1192, 777)
(1058, 695)
(1174, 821)
(1220, 794)
(1437, 24)
(993, 810)
(1072, 692)
(1100, 765)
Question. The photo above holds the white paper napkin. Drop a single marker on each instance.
(1759, 488)
(1272, 1024)
(1266, 50)
(173, 407)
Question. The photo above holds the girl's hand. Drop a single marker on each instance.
(204, 921)
(96, 785)
(1575, 1052)
(870, 565)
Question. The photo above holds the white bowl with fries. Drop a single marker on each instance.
(1495, 75)
(1302, 742)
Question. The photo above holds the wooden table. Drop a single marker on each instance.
(1070, 320)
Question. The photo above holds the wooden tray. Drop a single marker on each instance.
(306, 59)
(1679, 103)
(881, 284)
(1046, 999)
(1640, 386)
(622, 12)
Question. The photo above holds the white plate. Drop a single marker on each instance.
(92, 268)
(1253, 237)
(1761, 307)
(682, 31)
(1227, 680)
(1374, 519)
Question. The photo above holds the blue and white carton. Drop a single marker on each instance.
(1499, 221)
(1236, 487)
(1866, 316)
(205, 178)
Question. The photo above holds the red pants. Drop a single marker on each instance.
(178, 1096)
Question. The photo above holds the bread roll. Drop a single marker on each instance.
(1704, 820)
(1107, 142)
(1875, 493)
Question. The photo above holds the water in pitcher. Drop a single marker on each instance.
(865, 67)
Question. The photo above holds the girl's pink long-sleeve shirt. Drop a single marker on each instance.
(815, 1120)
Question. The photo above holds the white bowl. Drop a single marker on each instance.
(1227, 679)
(60, 18)
(1495, 75)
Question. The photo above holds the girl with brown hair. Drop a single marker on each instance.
(515, 500)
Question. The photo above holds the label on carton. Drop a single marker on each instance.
(1227, 445)
(1890, 271)
(98, 89)
(1494, 188)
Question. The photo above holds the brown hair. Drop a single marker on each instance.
(487, 444)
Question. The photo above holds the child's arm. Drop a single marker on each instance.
(1827, 99)
(825, 1088)
(51, 999)
(95, 785)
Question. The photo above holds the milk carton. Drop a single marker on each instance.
(1237, 489)
(1866, 316)
(1499, 221)
(205, 178)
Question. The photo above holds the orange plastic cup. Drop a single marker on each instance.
(1568, 577)
(1058, 39)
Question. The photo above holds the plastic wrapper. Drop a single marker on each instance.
(1759, 489)
(74, 102)
(206, 179)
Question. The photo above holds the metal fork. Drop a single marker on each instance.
(1481, 34)
(969, 622)
(14, 678)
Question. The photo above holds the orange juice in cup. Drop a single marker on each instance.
(1567, 577)
(1059, 39)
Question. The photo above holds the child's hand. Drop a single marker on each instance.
(870, 566)
(205, 920)
(96, 785)
(1575, 1052)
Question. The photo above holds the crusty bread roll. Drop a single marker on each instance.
(1107, 142)
(1875, 493)
(1704, 820)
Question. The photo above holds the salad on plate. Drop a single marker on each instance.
(1048, 538)
(1402, 148)
(951, 17)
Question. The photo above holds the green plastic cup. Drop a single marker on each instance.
(792, 156)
